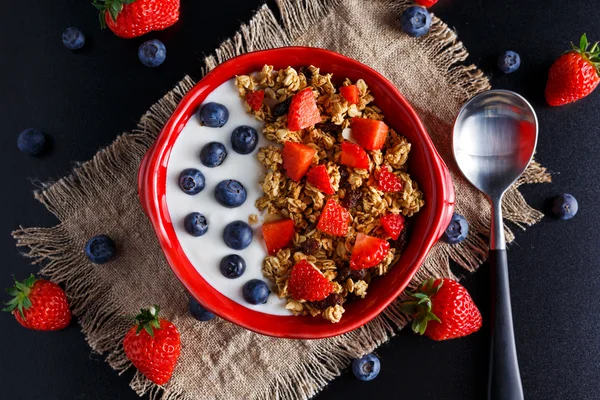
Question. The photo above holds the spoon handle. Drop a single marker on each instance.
(504, 379)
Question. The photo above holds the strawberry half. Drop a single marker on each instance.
(388, 182)
(278, 234)
(334, 219)
(368, 251)
(354, 156)
(369, 133)
(308, 283)
(319, 178)
(297, 158)
(255, 99)
(303, 111)
(350, 93)
(393, 224)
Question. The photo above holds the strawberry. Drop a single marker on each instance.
(334, 219)
(442, 309)
(426, 3)
(369, 133)
(368, 251)
(278, 234)
(354, 156)
(297, 158)
(393, 224)
(319, 178)
(303, 111)
(308, 283)
(574, 75)
(153, 345)
(255, 99)
(133, 18)
(388, 182)
(39, 304)
(350, 93)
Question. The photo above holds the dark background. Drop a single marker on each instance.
(84, 100)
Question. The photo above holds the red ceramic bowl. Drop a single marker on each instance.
(424, 162)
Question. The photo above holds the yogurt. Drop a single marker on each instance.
(205, 252)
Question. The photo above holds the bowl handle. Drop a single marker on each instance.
(448, 197)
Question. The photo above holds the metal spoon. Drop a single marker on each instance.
(494, 139)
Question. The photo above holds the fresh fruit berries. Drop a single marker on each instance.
(393, 224)
(426, 3)
(256, 291)
(230, 193)
(416, 21)
(574, 75)
(244, 139)
(565, 206)
(153, 346)
(255, 99)
(308, 283)
(39, 304)
(319, 178)
(31, 141)
(442, 309)
(237, 235)
(73, 38)
(282, 108)
(100, 249)
(213, 115)
(354, 156)
(191, 181)
(368, 251)
(232, 266)
(350, 93)
(388, 182)
(457, 230)
(195, 224)
(152, 53)
(278, 234)
(366, 368)
(297, 158)
(369, 133)
(213, 154)
(334, 219)
(198, 312)
(509, 62)
(303, 111)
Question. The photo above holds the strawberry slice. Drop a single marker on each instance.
(278, 234)
(255, 99)
(369, 133)
(334, 219)
(297, 158)
(308, 283)
(354, 156)
(388, 182)
(393, 224)
(319, 178)
(368, 251)
(303, 111)
(350, 93)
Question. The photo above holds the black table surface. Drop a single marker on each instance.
(84, 100)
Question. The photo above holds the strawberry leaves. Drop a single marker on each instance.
(112, 7)
(593, 55)
(147, 320)
(419, 307)
(20, 296)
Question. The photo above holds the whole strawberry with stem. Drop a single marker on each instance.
(442, 309)
(574, 75)
(153, 345)
(39, 304)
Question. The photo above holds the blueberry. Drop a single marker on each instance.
(191, 181)
(457, 230)
(213, 154)
(416, 21)
(237, 235)
(100, 249)
(230, 193)
(256, 291)
(244, 139)
(213, 115)
(195, 224)
(199, 312)
(565, 206)
(152, 53)
(282, 108)
(232, 266)
(366, 368)
(73, 38)
(509, 61)
(31, 141)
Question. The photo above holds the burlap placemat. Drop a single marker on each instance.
(101, 197)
